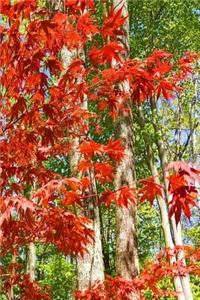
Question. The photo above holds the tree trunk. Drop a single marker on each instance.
(163, 206)
(55, 5)
(90, 267)
(31, 263)
(127, 264)
(193, 117)
(176, 228)
(11, 289)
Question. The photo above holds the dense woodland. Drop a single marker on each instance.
(99, 149)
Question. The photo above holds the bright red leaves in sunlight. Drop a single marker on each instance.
(150, 190)
(107, 54)
(183, 189)
(112, 24)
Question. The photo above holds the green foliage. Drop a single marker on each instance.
(41, 3)
(59, 273)
(150, 237)
(165, 24)
(2, 295)
(59, 165)
(195, 284)
(164, 284)
(194, 234)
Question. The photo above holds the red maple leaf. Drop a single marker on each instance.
(90, 148)
(150, 190)
(112, 23)
(115, 149)
(183, 196)
(107, 54)
(126, 196)
(103, 172)
(86, 27)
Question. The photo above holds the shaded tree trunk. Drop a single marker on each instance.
(194, 122)
(127, 264)
(165, 222)
(90, 267)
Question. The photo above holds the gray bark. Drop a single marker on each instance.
(176, 228)
(127, 264)
(163, 207)
(55, 5)
(90, 267)
(31, 263)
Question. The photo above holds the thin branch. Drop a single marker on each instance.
(188, 140)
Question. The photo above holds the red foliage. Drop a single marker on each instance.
(113, 23)
(182, 188)
(107, 54)
(28, 290)
(150, 190)
(118, 288)
(126, 196)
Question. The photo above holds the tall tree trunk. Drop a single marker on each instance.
(168, 237)
(127, 264)
(193, 117)
(90, 267)
(176, 228)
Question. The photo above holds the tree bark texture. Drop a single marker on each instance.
(90, 267)
(172, 238)
(31, 263)
(127, 264)
(176, 228)
(162, 205)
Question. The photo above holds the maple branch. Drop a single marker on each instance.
(14, 122)
(10, 124)
(188, 140)
(98, 194)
